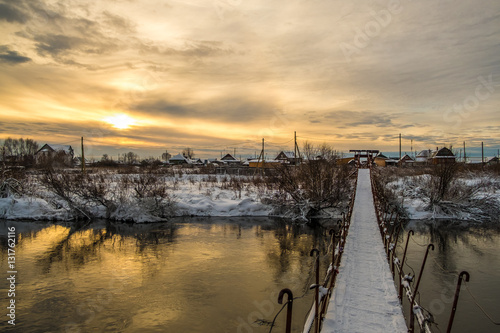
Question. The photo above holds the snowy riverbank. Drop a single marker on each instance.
(157, 197)
(184, 195)
(472, 197)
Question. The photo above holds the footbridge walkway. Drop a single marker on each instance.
(365, 283)
(364, 298)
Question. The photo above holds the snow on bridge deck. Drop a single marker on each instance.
(364, 298)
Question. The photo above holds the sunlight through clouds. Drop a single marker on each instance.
(121, 121)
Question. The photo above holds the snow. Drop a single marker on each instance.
(412, 193)
(30, 208)
(364, 298)
(191, 195)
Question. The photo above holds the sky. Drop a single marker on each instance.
(218, 76)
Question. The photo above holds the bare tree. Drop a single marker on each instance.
(20, 150)
(442, 176)
(130, 157)
(188, 153)
(316, 184)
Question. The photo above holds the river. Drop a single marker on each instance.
(213, 274)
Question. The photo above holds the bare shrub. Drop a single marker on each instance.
(441, 179)
(314, 185)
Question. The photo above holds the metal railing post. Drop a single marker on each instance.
(455, 301)
(316, 291)
(289, 307)
(412, 315)
(401, 267)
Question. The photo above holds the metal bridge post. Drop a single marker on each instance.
(393, 269)
(412, 315)
(455, 301)
(289, 307)
(402, 264)
(316, 293)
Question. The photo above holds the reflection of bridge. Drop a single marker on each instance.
(364, 156)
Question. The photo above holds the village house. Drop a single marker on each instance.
(55, 155)
(178, 160)
(406, 160)
(229, 159)
(424, 156)
(443, 156)
(493, 161)
(383, 161)
(288, 157)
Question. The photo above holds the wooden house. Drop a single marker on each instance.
(406, 160)
(178, 160)
(424, 156)
(443, 156)
(55, 155)
(288, 157)
(229, 159)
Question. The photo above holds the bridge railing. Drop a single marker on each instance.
(391, 226)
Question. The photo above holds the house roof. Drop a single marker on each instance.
(443, 153)
(425, 153)
(406, 158)
(288, 154)
(53, 147)
(228, 157)
(380, 155)
(178, 157)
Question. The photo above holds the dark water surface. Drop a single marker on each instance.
(193, 275)
(458, 247)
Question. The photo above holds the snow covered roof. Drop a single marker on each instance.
(178, 157)
(228, 157)
(266, 161)
(286, 154)
(425, 153)
(407, 158)
(53, 147)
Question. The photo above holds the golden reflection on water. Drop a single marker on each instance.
(187, 277)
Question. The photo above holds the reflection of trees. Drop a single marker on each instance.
(453, 241)
(294, 243)
(84, 240)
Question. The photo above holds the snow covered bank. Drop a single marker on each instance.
(127, 198)
(474, 197)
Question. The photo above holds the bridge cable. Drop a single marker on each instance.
(479, 306)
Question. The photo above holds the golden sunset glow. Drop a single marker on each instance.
(120, 121)
(191, 74)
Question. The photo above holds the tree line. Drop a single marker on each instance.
(21, 151)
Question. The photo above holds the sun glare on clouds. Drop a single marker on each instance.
(121, 121)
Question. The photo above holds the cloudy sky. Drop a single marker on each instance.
(155, 75)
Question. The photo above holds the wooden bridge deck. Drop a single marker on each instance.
(364, 298)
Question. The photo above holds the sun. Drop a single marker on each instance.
(120, 121)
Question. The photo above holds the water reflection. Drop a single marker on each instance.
(459, 246)
(189, 275)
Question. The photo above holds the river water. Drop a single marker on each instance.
(194, 275)
(457, 247)
(213, 275)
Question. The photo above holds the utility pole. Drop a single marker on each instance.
(295, 148)
(465, 156)
(83, 158)
(482, 153)
(263, 155)
(411, 148)
(399, 147)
